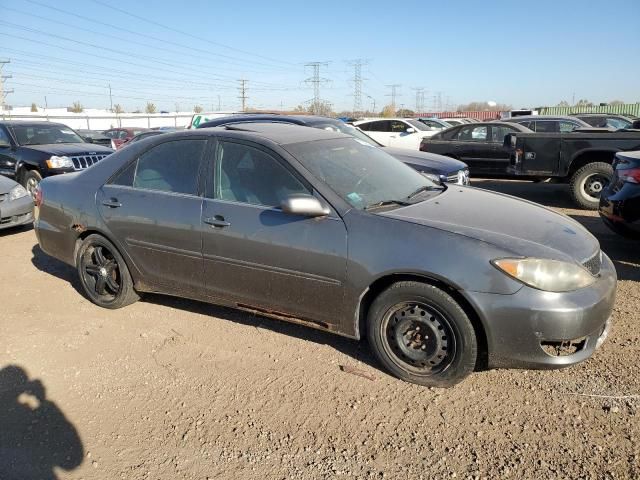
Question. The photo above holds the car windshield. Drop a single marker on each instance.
(416, 124)
(364, 176)
(45, 134)
(348, 130)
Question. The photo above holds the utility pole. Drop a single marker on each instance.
(110, 100)
(357, 64)
(46, 105)
(315, 80)
(243, 93)
(219, 105)
(3, 92)
(394, 94)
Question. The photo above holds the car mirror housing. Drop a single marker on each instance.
(410, 130)
(305, 205)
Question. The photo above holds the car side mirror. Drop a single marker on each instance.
(305, 205)
(410, 130)
(88, 139)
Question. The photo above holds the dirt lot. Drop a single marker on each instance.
(168, 389)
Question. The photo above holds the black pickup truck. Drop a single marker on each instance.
(582, 159)
(30, 151)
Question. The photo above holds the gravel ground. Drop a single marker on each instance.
(169, 388)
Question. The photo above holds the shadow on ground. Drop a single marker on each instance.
(355, 349)
(35, 436)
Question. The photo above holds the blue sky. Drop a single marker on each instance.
(520, 53)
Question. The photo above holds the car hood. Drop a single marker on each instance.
(517, 226)
(432, 160)
(6, 184)
(70, 148)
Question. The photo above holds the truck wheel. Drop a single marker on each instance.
(422, 335)
(588, 182)
(30, 181)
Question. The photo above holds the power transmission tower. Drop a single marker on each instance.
(3, 92)
(419, 99)
(357, 64)
(394, 94)
(315, 80)
(243, 93)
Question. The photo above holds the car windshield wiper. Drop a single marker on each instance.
(424, 188)
(384, 203)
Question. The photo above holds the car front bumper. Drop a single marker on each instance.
(17, 212)
(536, 329)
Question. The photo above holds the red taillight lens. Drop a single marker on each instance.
(631, 175)
(38, 198)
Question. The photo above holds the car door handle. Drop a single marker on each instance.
(112, 203)
(217, 221)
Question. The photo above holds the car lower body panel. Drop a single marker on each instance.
(17, 212)
(536, 329)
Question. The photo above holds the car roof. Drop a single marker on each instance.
(13, 123)
(269, 117)
(280, 133)
(601, 115)
(543, 117)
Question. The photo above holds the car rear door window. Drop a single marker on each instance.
(473, 134)
(169, 167)
(249, 175)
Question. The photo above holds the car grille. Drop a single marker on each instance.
(81, 162)
(594, 263)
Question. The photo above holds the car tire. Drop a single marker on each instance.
(103, 273)
(588, 182)
(30, 181)
(422, 335)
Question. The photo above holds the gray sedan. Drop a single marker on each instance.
(316, 227)
(16, 205)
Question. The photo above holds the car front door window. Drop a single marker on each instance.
(249, 175)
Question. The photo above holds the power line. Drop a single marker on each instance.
(198, 38)
(315, 81)
(394, 94)
(243, 93)
(155, 39)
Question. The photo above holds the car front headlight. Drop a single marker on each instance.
(17, 192)
(547, 275)
(59, 162)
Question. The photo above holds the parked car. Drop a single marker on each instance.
(319, 228)
(620, 201)
(549, 124)
(16, 206)
(120, 136)
(396, 132)
(454, 121)
(95, 136)
(582, 159)
(605, 120)
(142, 136)
(30, 151)
(437, 167)
(480, 145)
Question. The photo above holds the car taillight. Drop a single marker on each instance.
(631, 175)
(38, 198)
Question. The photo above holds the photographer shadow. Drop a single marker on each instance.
(35, 436)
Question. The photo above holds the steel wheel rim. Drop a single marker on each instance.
(419, 337)
(32, 185)
(101, 273)
(594, 184)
